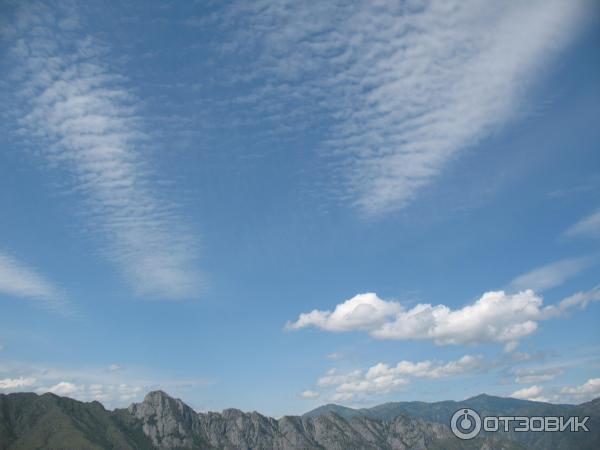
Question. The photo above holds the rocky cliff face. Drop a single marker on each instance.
(169, 423)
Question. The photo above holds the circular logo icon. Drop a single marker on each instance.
(465, 423)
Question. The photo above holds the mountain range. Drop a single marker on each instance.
(51, 422)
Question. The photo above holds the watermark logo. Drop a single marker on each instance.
(466, 423)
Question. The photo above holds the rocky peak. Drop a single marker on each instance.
(168, 421)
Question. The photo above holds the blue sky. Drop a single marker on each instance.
(277, 205)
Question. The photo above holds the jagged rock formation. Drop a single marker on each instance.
(50, 422)
(171, 424)
(168, 422)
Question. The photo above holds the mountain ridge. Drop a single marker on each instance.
(48, 421)
(477, 400)
(488, 405)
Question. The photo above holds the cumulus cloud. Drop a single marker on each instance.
(531, 393)
(587, 391)
(587, 227)
(550, 275)
(495, 317)
(376, 386)
(308, 394)
(362, 312)
(383, 378)
(407, 86)
(86, 123)
(20, 280)
(426, 369)
(567, 394)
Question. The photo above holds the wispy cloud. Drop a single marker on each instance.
(89, 125)
(590, 186)
(335, 356)
(551, 275)
(109, 394)
(406, 87)
(16, 383)
(495, 317)
(20, 280)
(588, 227)
(536, 375)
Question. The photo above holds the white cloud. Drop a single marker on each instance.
(510, 346)
(308, 394)
(426, 369)
(587, 391)
(114, 367)
(578, 300)
(531, 393)
(495, 317)
(121, 393)
(333, 377)
(335, 356)
(342, 397)
(16, 383)
(408, 86)
(529, 376)
(383, 378)
(551, 275)
(19, 280)
(568, 394)
(112, 388)
(127, 393)
(372, 386)
(587, 227)
(88, 124)
(62, 388)
(362, 312)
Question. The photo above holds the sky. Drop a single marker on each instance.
(276, 205)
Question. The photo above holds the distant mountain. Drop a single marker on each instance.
(49, 422)
(441, 412)
(31, 421)
(487, 405)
